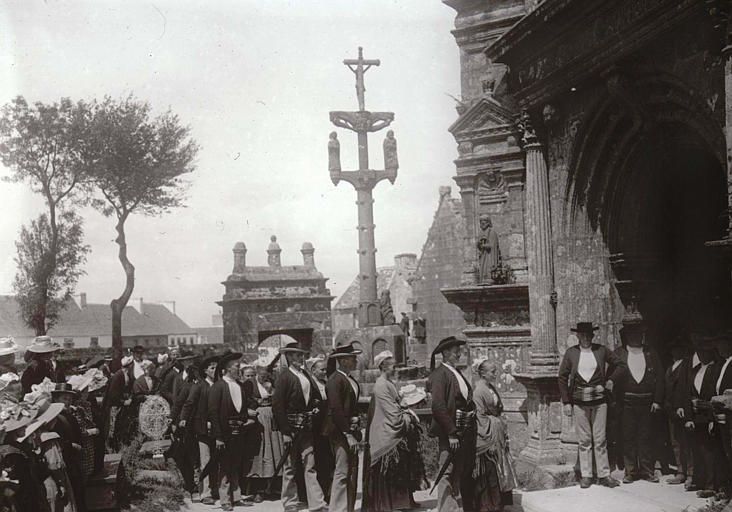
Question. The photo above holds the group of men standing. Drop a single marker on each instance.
(651, 413)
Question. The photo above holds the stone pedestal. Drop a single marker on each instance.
(544, 415)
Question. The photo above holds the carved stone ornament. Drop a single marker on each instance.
(154, 417)
(491, 188)
(465, 148)
(362, 121)
(526, 126)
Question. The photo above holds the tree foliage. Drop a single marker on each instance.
(44, 283)
(138, 164)
(44, 146)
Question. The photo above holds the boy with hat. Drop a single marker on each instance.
(342, 426)
(228, 412)
(196, 410)
(453, 423)
(640, 393)
(293, 406)
(583, 381)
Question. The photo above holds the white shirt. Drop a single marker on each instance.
(137, 370)
(210, 382)
(321, 388)
(699, 377)
(721, 375)
(354, 384)
(636, 363)
(587, 364)
(461, 380)
(676, 364)
(234, 391)
(304, 383)
(262, 390)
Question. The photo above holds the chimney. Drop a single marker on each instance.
(308, 255)
(82, 300)
(405, 262)
(273, 253)
(140, 305)
(240, 258)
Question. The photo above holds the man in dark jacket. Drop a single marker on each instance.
(342, 426)
(586, 372)
(116, 404)
(676, 381)
(293, 406)
(640, 391)
(324, 462)
(230, 417)
(453, 423)
(195, 416)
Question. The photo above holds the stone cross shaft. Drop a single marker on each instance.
(364, 180)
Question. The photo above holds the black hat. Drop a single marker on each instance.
(345, 350)
(184, 358)
(293, 346)
(206, 362)
(681, 340)
(224, 360)
(449, 342)
(585, 327)
(63, 388)
(138, 349)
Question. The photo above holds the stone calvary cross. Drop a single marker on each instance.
(364, 180)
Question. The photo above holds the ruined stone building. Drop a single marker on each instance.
(272, 301)
(591, 134)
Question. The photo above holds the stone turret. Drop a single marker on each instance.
(273, 253)
(308, 255)
(240, 258)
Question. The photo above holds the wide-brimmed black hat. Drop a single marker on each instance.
(139, 349)
(345, 350)
(63, 388)
(293, 346)
(444, 344)
(206, 362)
(585, 327)
(224, 360)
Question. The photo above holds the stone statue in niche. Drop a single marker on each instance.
(387, 312)
(391, 162)
(489, 252)
(334, 153)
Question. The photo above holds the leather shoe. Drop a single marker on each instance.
(705, 493)
(628, 479)
(585, 483)
(676, 479)
(608, 481)
(208, 501)
(651, 478)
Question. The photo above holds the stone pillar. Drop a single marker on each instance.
(467, 193)
(540, 378)
(273, 253)
(240, 258)
(369, 313)
(539, 255)
(308, 255)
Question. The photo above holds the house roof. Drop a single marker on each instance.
(96, 320)
(349, 299)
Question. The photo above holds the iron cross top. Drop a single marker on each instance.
(359, 67)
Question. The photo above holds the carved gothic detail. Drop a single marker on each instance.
(491, 188)
(526, 126)
(362, 121)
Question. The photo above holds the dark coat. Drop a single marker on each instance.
(195, 408)
(342, 406)
(36, 371)
(676, 382)
(446, 400)
(179, 399)
(708, 387)
(654, 377)
(221, 407)
(168, 383)
(288, 398)
(139, 387)
(57, 374)
(609, 367)
(319, 418)
(117, 389)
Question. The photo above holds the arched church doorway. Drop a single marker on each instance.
(658, 200)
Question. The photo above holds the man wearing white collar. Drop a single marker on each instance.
(293, 403)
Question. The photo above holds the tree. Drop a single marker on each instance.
(137, 165)
(46, 279)
(42, 145)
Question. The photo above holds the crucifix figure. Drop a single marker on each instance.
(364, 179)
(357, 66)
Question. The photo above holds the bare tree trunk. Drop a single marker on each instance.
(118, 305)
(39, 319)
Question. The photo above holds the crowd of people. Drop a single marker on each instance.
(632, 413)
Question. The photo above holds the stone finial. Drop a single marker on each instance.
(240, 257)
(273, 253)
(308, 254)
(405, 261)
(445, 191)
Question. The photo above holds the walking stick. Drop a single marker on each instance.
(443, 469)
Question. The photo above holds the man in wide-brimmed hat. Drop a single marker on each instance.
(138, 356)
(293, 403)
(587, 371)
(38, 356)
(342, 426)
(640, 393)
(228, 411)
(196, 408)
(453, 423)
(172, 378)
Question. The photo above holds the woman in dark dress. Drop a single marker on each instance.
(494, 474)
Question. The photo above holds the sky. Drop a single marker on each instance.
(255, 81)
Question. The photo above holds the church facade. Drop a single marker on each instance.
(595, 135)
